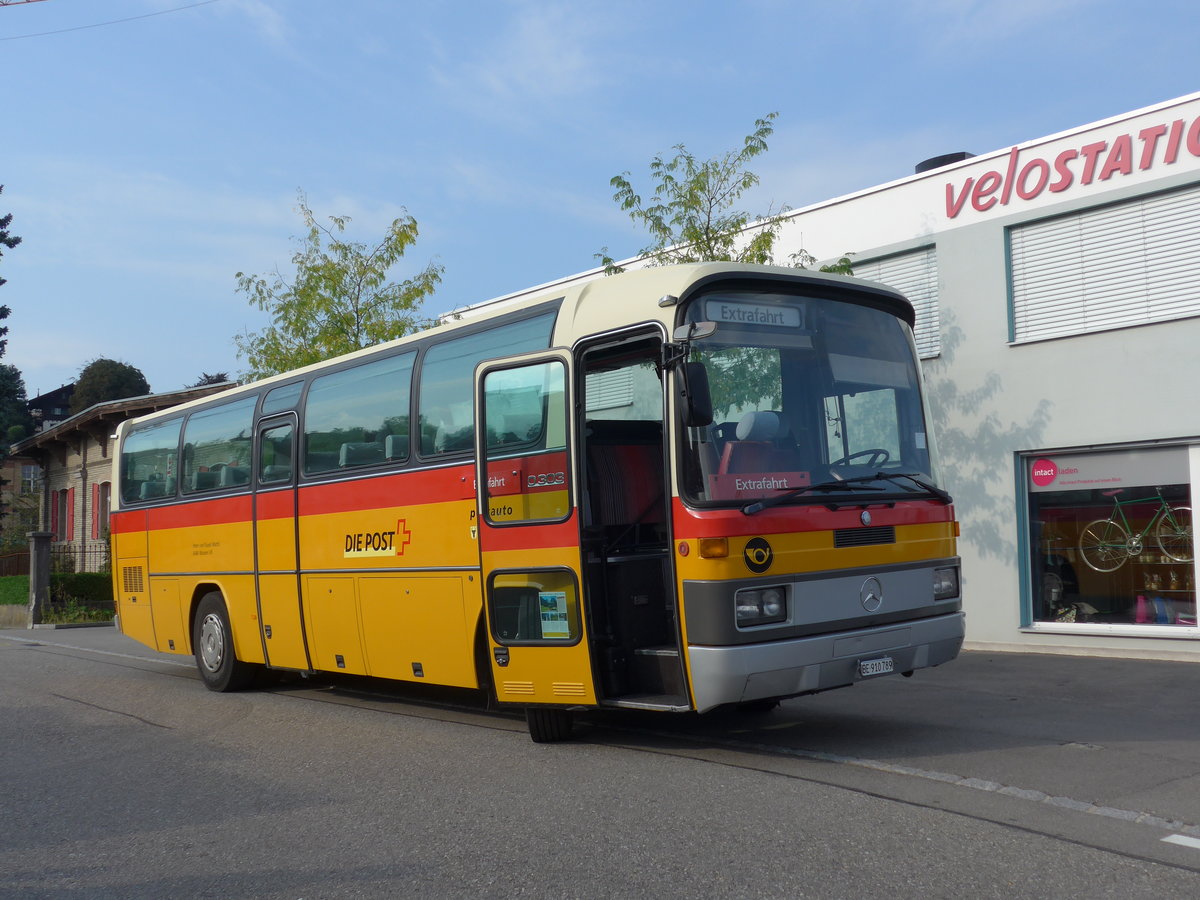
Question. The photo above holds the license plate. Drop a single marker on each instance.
(869, 667)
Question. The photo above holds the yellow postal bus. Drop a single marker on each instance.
(672, 489)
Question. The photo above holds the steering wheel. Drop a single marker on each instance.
(876, 457)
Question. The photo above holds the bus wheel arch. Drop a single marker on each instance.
(212, 646)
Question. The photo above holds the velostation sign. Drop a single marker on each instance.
(1094, 159)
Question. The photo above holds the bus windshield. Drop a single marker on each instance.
(812, 398)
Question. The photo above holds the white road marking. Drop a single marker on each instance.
(45, 643)
(1183, 840)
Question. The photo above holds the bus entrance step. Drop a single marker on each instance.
(657, 670)
(656, 702)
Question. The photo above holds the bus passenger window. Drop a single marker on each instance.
(275, 455)
(358, 416)
(447, 372)
(216, 446)
(149, 462)
(281, 399)
(534, 607)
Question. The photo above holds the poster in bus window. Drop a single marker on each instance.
(554, 614)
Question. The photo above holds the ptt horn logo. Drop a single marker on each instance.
(758, 555)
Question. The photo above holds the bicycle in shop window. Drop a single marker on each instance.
(1107, 544)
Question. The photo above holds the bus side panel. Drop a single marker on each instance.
(384, 602)
(202, 539)
(335, 642)
(281, 614)
(170, 628)
(206, 546)
(131, 584)
(420, 626)
(240, 601)
(134, 613)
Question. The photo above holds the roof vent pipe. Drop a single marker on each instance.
(936, 162)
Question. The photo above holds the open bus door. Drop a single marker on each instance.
(528, 520)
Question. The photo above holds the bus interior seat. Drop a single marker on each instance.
(516, 613)
(316, 461)
(361, 453)
(205, 480)
(276, 473)
(150, 490)
(234, 475)
(764, 443)
(395, 446)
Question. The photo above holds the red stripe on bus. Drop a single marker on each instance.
(276, 505)
(698, 523)
(403, 489)
(218, 511)
(532, 537)
(127, 521)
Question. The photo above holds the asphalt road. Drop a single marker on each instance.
(996, 776)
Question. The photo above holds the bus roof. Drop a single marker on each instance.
(589, 306)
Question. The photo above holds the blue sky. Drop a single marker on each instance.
(147, 161)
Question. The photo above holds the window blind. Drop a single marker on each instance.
(915, 275)
(1128, 264)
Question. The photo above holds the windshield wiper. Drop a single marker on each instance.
(917, 479)
(823, 487)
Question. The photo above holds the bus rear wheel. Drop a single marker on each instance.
(212, 643)
(548, 726)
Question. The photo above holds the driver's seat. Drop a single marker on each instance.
(764, 444)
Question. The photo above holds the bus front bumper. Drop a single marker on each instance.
(739, 674)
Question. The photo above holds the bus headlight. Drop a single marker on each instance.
(945, 583)
(761, 606)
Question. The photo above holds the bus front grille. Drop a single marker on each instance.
(864, 537)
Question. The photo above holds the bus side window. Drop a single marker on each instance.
(445, 405)
(358, 416)
(275, 455)
(149, 462)
(216, 446)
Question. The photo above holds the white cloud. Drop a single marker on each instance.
(957, 21)
(268, 21)
(538, 60)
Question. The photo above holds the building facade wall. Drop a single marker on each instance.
(75, 505)
(1000, 403)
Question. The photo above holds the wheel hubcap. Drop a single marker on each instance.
(212, 642)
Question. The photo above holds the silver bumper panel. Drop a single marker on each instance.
(738, 674)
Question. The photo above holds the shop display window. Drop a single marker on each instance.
(1111, 538)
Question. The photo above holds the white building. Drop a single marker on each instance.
(1058, 290)
(1057, 285)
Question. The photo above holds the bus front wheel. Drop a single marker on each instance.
(212, 642)
(548, 726)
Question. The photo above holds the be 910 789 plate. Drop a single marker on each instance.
(869, 667)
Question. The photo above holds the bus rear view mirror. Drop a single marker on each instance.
(694, 331)
(695, 399)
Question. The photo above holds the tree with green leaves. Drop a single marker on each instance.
(692, 215)
(9, 241)
(340, 298)
(206, 379)
(103, 380)
(15, 421)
